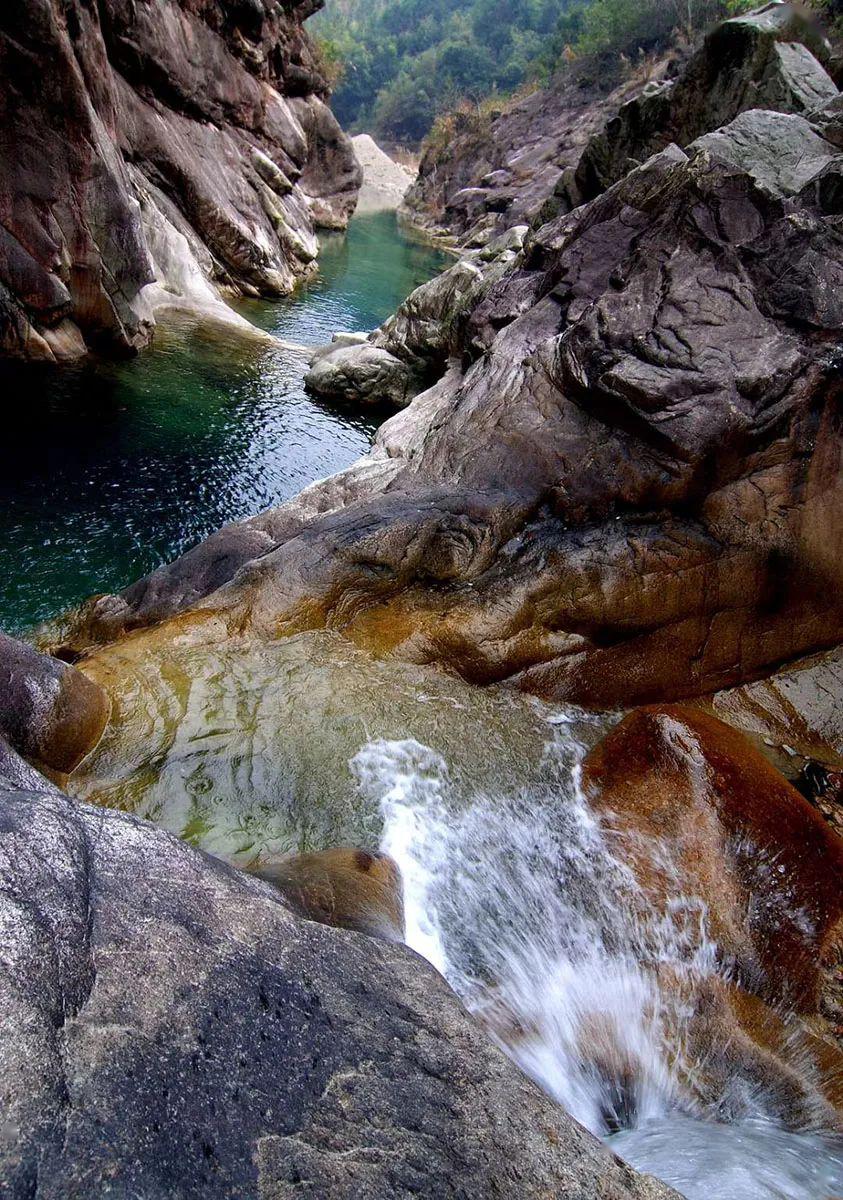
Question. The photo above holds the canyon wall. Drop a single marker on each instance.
(184, 144)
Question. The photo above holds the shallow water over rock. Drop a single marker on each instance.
(109, 469)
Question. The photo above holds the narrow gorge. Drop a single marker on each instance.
(421, 693)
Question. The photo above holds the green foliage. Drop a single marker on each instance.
(611, 28)
(405, 63)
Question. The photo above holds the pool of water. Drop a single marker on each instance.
(109, 469)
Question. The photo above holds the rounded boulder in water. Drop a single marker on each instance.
(50, 713)
(347, 887)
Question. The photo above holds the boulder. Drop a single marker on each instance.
(624, 485)
(151, 143)
(346, 887)
(50, 713)
(734, 829)
(755, 61)
(361, 373)
(171, 1028)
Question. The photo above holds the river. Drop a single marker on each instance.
(109, 469)
(513, 888)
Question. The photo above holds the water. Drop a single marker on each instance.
(524, 900)
(109, 469)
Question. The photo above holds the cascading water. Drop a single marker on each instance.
(526, 905)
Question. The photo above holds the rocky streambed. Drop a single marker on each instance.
(546, 686)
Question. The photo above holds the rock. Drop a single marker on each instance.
(348, 888)
(484, 172)
(50, 713)
(756, 61)
(624, 484)
(171, 1028)
(795, 716)
(385, 181)
(699, 813)
(163, 143)
(734, 828)
(360, 373)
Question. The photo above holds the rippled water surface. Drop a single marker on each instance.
(108, 469)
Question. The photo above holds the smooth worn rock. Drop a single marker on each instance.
(624, 486)
(183, 144)
(171, 1029)
(698, 813)
(359, 373)
(50, 713)
(346, 887)
(412, 348)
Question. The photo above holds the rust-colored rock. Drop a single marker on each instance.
(741, 838)
(350, 888)
(50, 713)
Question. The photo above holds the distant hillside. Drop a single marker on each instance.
(398, 64)
(402, 62)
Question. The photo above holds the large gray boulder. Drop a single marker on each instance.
(169, 1029)
(759, 60)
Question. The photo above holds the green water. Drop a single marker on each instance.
(109, 469)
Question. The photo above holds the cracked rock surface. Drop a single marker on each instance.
(171, 1029)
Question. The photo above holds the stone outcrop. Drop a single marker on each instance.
(170, 1028)
(485, 171)
(758, 61)
(158, 140)
(625, 483)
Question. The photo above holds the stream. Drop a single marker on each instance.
(514, 888)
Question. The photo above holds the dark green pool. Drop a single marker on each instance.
(107, 470)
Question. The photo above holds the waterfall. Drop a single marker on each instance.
(526, 904)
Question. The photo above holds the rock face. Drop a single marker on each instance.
(171, 1029)
(485, 172)
(625, 484)
(751, 62)
(385, 182)
(152, 140)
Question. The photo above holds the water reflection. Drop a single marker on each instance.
(108, 469)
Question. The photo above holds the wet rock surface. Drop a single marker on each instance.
(698, 812)
(345, 887)
(171, 1028)
(50, 713)
(147, 141)
(624, 485)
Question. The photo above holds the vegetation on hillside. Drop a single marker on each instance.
(398, 64)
